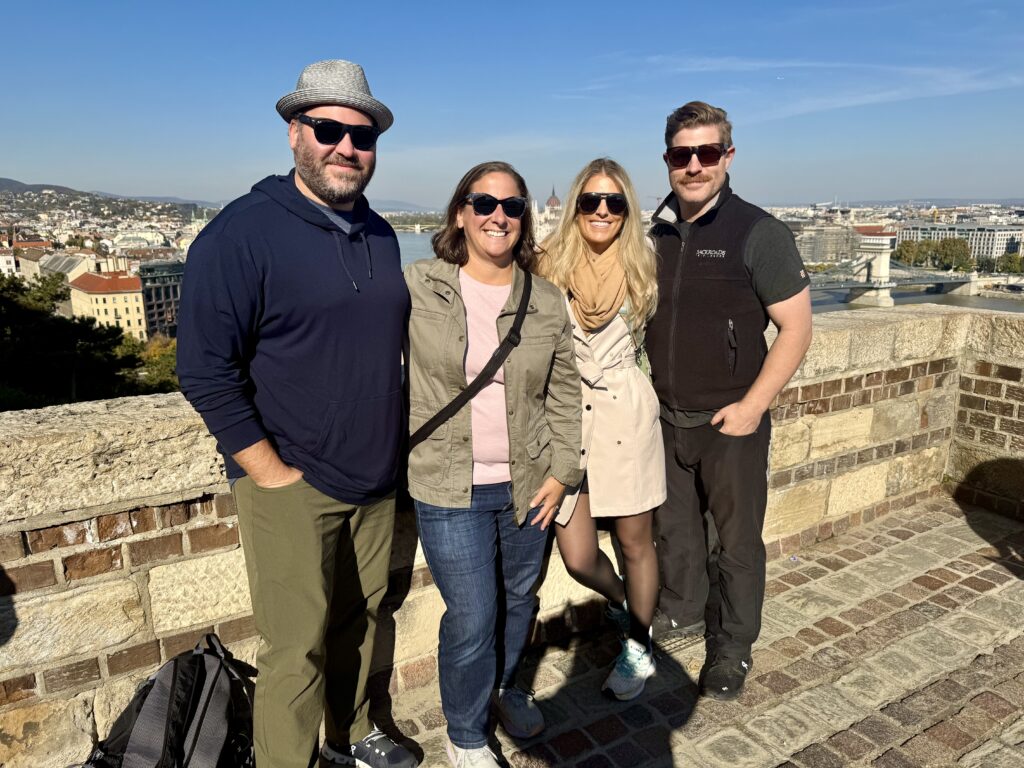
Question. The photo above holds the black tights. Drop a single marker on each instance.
(577, 542)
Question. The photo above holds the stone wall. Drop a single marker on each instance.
(986, 460)
(119, 545)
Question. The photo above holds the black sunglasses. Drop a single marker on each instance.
(484, 204)
(708, 155)
(589, 202)
(330, 132)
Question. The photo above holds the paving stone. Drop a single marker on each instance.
(850, 745)
(826, 702)
(831, 658)
(882, 572)
(627, 754)
(778, 682)
(818, 756)
(865, 685)
(974, 630)
(950, 736)
(974, 720)
(993, 754)
(1014, 734)
(926, 751)
(1003, 613)
(570, 744)
(811, 603)
(879, 730)
(894, 758)
(996, 707)
(733, 748)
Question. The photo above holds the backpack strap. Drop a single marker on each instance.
(208, 729)
(149, 734)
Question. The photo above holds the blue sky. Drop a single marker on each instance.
(870, 100)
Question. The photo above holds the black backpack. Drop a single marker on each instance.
(195, 712)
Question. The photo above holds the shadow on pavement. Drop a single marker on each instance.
(996, 486)
(8, 617)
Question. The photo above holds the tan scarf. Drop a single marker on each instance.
(598, 285)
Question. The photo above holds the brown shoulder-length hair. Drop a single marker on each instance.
(449, 242)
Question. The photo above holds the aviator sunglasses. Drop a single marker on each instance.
(331, 132)
(589, 202)
(707, 155)
(484, 204)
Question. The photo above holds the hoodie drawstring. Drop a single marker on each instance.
(341, 258)
(344, 263)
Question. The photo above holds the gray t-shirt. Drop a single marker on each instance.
(776, 273)
(342, 219)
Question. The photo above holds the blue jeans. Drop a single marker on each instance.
(467, 551)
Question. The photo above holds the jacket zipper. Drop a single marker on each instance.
(733, 346)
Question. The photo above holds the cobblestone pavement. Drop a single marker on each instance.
(899, 643)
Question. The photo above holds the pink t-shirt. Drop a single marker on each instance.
(490, 427)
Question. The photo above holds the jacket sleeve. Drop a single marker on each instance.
(217, 321)
(563, 408)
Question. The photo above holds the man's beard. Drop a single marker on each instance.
(312, 169)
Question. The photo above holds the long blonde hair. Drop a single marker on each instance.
(566, 245)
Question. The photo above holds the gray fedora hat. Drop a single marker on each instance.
(335, 82)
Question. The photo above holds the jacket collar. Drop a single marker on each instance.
(668, 211)
(447, 274)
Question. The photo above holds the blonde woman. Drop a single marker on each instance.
(600, 259)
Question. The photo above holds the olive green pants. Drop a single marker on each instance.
(318, 569)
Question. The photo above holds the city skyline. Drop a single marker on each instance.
(871, 102)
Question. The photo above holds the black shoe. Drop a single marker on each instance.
(723, 679)
(376, 750)
(664, 629)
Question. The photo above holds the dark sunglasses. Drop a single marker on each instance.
(484, 204)
(707, 155)
(589, 202)
(331, 132)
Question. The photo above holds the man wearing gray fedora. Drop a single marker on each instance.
(289, 345)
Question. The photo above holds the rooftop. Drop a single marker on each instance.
(107, 282)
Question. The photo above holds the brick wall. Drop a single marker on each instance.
(119, 546)
(986, 459)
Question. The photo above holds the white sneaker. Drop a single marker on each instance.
(481, 757)
(633, 667)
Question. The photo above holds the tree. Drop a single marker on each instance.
(46, 359)
(906, 252)
(158, 365)
(986, 264)
(1010, 262)
(927, 253)
(954, 253)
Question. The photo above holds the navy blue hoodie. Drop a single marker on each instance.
(290, 329)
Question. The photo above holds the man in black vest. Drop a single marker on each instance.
(725, 268)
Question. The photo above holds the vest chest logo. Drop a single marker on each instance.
(708, 253)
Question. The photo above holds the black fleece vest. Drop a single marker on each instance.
(706, 340)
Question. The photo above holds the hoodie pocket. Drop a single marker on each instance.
(360, 439)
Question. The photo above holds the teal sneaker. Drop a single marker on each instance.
(634, 666)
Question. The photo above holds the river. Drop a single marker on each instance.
(417, 246)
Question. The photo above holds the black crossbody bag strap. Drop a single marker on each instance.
(510, 342)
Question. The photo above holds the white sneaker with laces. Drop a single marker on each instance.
(634, 665)
(481, 757)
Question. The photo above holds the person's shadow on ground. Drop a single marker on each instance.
(996, 486)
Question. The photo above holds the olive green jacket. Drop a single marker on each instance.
(542, 389)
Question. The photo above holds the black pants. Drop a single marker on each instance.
(727, 477)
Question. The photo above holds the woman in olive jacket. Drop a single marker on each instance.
(487, 483)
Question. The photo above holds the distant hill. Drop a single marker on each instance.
(392, 206)
(157, 199)
(10, 185)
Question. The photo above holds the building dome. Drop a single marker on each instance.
(553, 202)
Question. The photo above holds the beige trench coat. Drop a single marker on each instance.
(623, 451)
